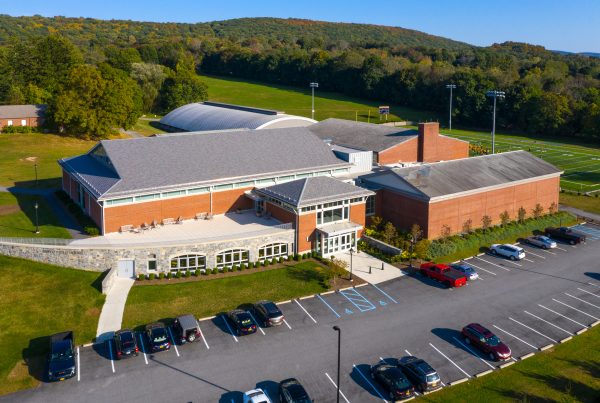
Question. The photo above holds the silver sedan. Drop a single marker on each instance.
(541, 241)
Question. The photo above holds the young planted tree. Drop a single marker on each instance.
(504, 218)
(521, 214)
(445, 231)
(467, 226)
(553, 209)
(537, 211)
(486, 222)
(389, 233)
(337, 269)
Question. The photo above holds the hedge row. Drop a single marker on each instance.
(20, 129)
(89, 226)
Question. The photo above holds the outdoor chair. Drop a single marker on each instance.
(209, 216)
(179, 220)
(200, 216)
(125, 228)
(167, 221)
(154, 224)
(145, 226)
(136, 230)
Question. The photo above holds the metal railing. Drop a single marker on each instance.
(37, 241)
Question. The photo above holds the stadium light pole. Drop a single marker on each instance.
(339, 332)
(450, 87)
(313, 85)
(494, 94)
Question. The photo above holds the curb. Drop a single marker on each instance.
(87, 345)
(328, 292)
(546, 347)
(467, 258)
(481, 254)
(526, 356)
(361, 285)
(307, 297)
(566, 339)
(458, 381)
(581, 331)
(285, 302)
(595, 323)
(506, 364)
(431, 391)
(206, 318)
(479, 375)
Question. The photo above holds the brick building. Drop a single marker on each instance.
(22, 115)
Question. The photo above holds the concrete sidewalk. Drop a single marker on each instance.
(580, 213)
(112, 311)
(361, 263)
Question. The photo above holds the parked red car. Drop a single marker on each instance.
(486, 341)
(443, 273)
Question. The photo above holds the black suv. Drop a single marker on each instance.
(268, 313)
(291, 391)
(185, 329)
(158, 338)
(420, 373)
(242, 321)
(125, 343)
(393, 380)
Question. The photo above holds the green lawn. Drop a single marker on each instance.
(147, 303)
(591, 204)
(144, 127)
(17, 217)
(297, 101)
(20, 152)
(569, 372)
(37, 300)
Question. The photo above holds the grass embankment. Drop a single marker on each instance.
(569, 372)
(144, 127)
(586, 203)
(146, 304)
(17, 217)
(297, 101)
(37, 300)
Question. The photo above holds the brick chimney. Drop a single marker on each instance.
(428, 138)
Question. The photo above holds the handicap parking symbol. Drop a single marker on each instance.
(349, 312)
(382, 303)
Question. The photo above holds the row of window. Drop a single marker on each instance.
(23, 123)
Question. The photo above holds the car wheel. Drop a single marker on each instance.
(572, 242)
(467, 340)
(494, 252)
(392, 397)
(544, 247)
(191, 338)
(492, 357)
(513, 258)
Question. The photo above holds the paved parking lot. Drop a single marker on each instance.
(531, 305)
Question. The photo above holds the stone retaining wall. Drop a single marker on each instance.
(382, 246)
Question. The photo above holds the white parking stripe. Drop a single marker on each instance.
(256, 323)
(558, 247)
(452, 362)
(547, 251)
(559, 314)
(305, 311)
(582, 300)
(143, 349)
(533, 330)
(78, 366)
(589, 292)
(481, 268)
(287, 324)
(202, 334)
(229, 328)
(173, 341)
(545, 321)
(521, 340)
(528, 259)
(370, 384)
(493, 264)
(474, 353)
(535, 254)
(517, 264)
(335, 386)
(112, 361)
(595, 285)
(578, 310)
(407, 352)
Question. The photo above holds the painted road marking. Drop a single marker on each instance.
(202, 334)
(547, 251)
(328, 306)
(229, 328)
(305, 311)
(595, 285)
(578, 310)
(481, 268)
(493, 264)
(369, 382)
(407, 352)
(515, 263)
(474, 353)
(584, 301)
(78, 366)
(112, 361)
(528, 259)
(534, 254)
(287, 324)
(143, 348)
(533, 330)
(510, 334)
(173, 341)
(564, 250)
(560, 314)
(589, 292)
(335, 386)
(357, 299)
(551, 324)
(452, 362)
(385, 293)
(256, 323)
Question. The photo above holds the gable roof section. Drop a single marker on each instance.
(309, 191)
(96, 177)
(22, 111)
(444, 179)
(360, 135)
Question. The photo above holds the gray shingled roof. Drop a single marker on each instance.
(360, 135)
(309, 191)
(22, 111)
(170, 162)
(441, 179)
(88, 171)
(216, 116)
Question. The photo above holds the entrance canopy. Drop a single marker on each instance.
(338, 228)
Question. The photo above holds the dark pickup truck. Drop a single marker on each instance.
(565, 234)
(444, 274)
(61, 360)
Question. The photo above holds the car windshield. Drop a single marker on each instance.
(127, 339)
(64, 355)
(492, 340)
(159, 335)
(400, 383)
(433, 377)
(544, 239)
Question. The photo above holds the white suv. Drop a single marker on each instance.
(507, 250)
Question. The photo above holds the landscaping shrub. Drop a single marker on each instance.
(141, 277)
(88, 225)
(238, 268)
(296, 257)
(179, 274)
(281, 259)
(161, 275)
(215, 271)
(151, 276)
(169, 275)
(264, 263)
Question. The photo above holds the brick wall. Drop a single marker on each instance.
(357, 215)
(402, 211)
(428, 141)
(451, 149)
(307, 223)
(403, 152)
(33, 122)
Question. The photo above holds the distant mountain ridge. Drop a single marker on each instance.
(564, 52)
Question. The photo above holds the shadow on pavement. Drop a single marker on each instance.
(359, 379)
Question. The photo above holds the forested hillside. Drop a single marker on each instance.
(546, 92)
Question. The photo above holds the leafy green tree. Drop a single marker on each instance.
(181, 88)
(122, 58)
(389, 233)
(54, 58)
(149, 77)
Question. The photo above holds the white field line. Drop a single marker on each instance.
(112, 361)
(256, 323)
(203, 338)
(452, 362)
(578, 173)
(582, 300)
(229, 328)
(493, 264)
(578, 310)
(305, 311)
(533, 330)
(512, 335)
(474, 353)
(78, 366)
(550, 323)
(143, 348)
(560, 314)
(287, 324)
(407, 352)
(335, 386)
(588, 292)
(173, 341)
(369, 382)
(481, 268)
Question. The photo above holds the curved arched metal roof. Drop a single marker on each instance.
(216, 116)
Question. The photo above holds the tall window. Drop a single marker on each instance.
(232, 257)
(152, 263)
(188, 262)
(370, 207)
(272, 251)
(334, 214)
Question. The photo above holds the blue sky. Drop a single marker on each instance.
(571, 25)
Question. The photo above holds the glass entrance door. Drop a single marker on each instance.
(335, 243)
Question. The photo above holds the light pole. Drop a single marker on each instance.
(37, 226)
(412, 242)
(450, 87)
(313, 85)
(351, 252)
(494, 94)
(339, 331)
